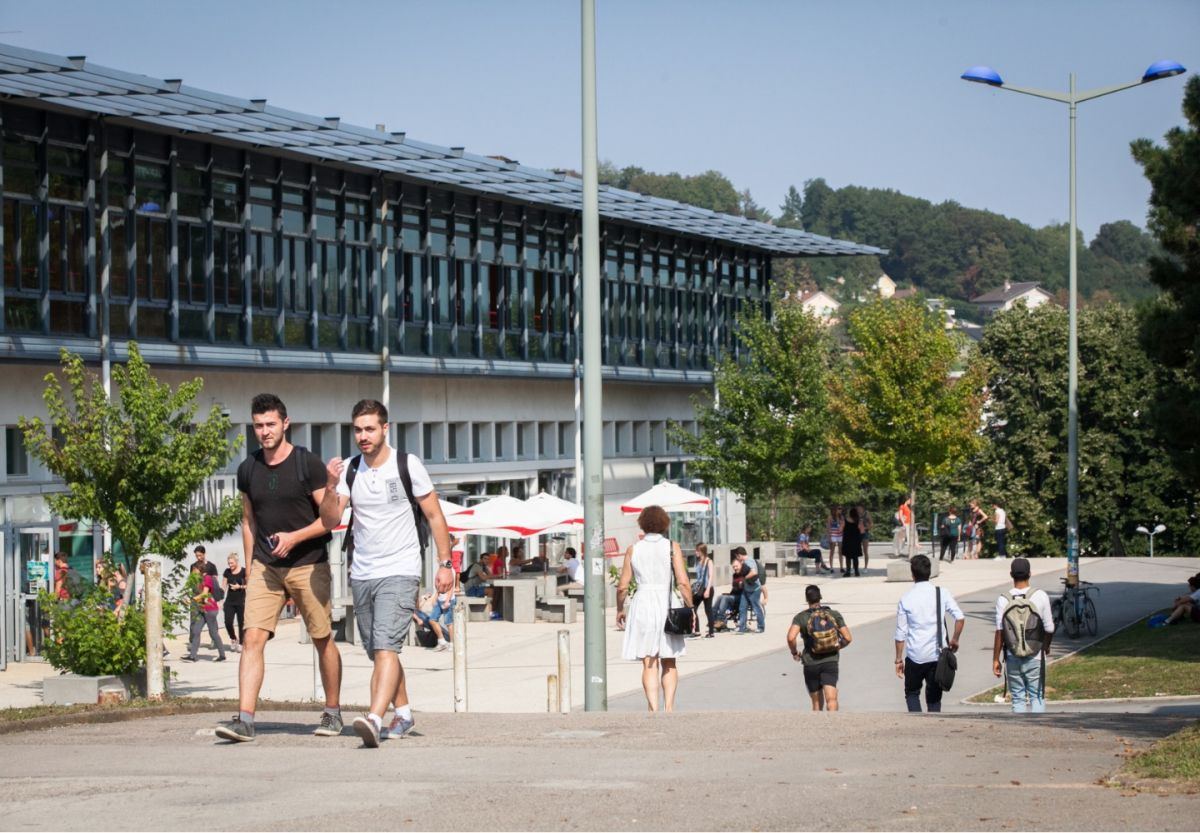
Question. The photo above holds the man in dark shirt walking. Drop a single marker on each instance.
(285, 542)
(824, 633)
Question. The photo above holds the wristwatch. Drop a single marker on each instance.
(449, 565)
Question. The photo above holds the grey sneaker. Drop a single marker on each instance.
(236, 731)
(331, 725)
(367, 731)
(399, 728)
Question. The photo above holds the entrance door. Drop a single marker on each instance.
(22, 580)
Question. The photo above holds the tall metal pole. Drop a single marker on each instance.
(595, 661)
(1072, 375)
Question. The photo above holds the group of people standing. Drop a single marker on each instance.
(847, 538)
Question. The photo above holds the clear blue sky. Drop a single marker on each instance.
(770, 93)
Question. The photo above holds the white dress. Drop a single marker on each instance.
(647, 613)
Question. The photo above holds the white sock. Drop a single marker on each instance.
(404, 712)
(246, 717)
(333, 710)
(376, 721)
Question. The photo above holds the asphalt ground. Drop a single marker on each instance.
(594, 771)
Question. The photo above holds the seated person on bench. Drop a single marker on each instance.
(572, 568)
(805, 549)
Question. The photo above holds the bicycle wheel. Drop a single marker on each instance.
(1090, 620)
(1071, 619)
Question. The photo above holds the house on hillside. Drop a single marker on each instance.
(1005, 297)
(820, 304)
(885, 286)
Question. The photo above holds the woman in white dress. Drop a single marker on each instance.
(662, 579)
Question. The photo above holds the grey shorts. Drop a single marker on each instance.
(383, 611)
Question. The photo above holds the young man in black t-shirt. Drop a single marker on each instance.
(285, 544)
(820, 661)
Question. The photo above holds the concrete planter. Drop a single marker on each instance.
(68, 689)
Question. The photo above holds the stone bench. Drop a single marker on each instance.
(898, 569)
(561, 609)
(518, 599)
(477, 608)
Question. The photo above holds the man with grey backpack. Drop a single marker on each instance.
(1024, 630)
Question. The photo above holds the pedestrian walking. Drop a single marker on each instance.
(1024, 630)
(950, 532)
(824, 634)
(903, 535)
(656, 563)
(285, 546)
(917, 648)
(389, 495)
(234, 582)
(203, 613)
(1000, 523)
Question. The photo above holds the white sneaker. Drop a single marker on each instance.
(442, 646)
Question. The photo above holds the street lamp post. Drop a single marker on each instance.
(989, 76)
(1152, 533)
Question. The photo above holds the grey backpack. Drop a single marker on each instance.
(1022, 626)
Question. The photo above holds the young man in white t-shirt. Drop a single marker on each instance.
(1024, 674)
(386, 570)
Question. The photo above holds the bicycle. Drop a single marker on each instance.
(1075, 610)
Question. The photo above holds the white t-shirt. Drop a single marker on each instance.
(385, 536)
(1039, 599)
(575, 569)
(1001, 519)
(1196, 596)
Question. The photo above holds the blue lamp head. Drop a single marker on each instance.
(1162, 69)
(983, 75)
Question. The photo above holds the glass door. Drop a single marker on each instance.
(28, 568)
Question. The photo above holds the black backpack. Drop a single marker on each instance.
(422, 523)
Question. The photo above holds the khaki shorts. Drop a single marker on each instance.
(308, 586)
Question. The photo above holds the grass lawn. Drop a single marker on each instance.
(1136, 662)
(1175, 758)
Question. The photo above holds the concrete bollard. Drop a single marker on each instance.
(564, 672)
(152, 570)
(551, 693)
(459, 646)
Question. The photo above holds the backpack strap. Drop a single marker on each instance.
(419, 520)
(348, 538)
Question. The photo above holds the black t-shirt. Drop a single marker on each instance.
(235, 597)
(282, 503)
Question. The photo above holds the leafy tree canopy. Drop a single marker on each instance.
(1172, 328)
(136, 462)
(901, 418)
(766, 434)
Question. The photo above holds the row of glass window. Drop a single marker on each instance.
(285, 254)
(437, 442)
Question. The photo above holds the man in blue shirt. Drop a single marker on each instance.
(917, 636)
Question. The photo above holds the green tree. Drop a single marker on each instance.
(1171, 330)
(792, 210)
(901, 418)
(766, 434)
(1126, 476)
(136, 462)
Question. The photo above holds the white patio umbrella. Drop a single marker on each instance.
(563, 515)
(449, 509)
(670, 496)
(502, 517)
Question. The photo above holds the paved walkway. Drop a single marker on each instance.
(593, 771)
(508, 662)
